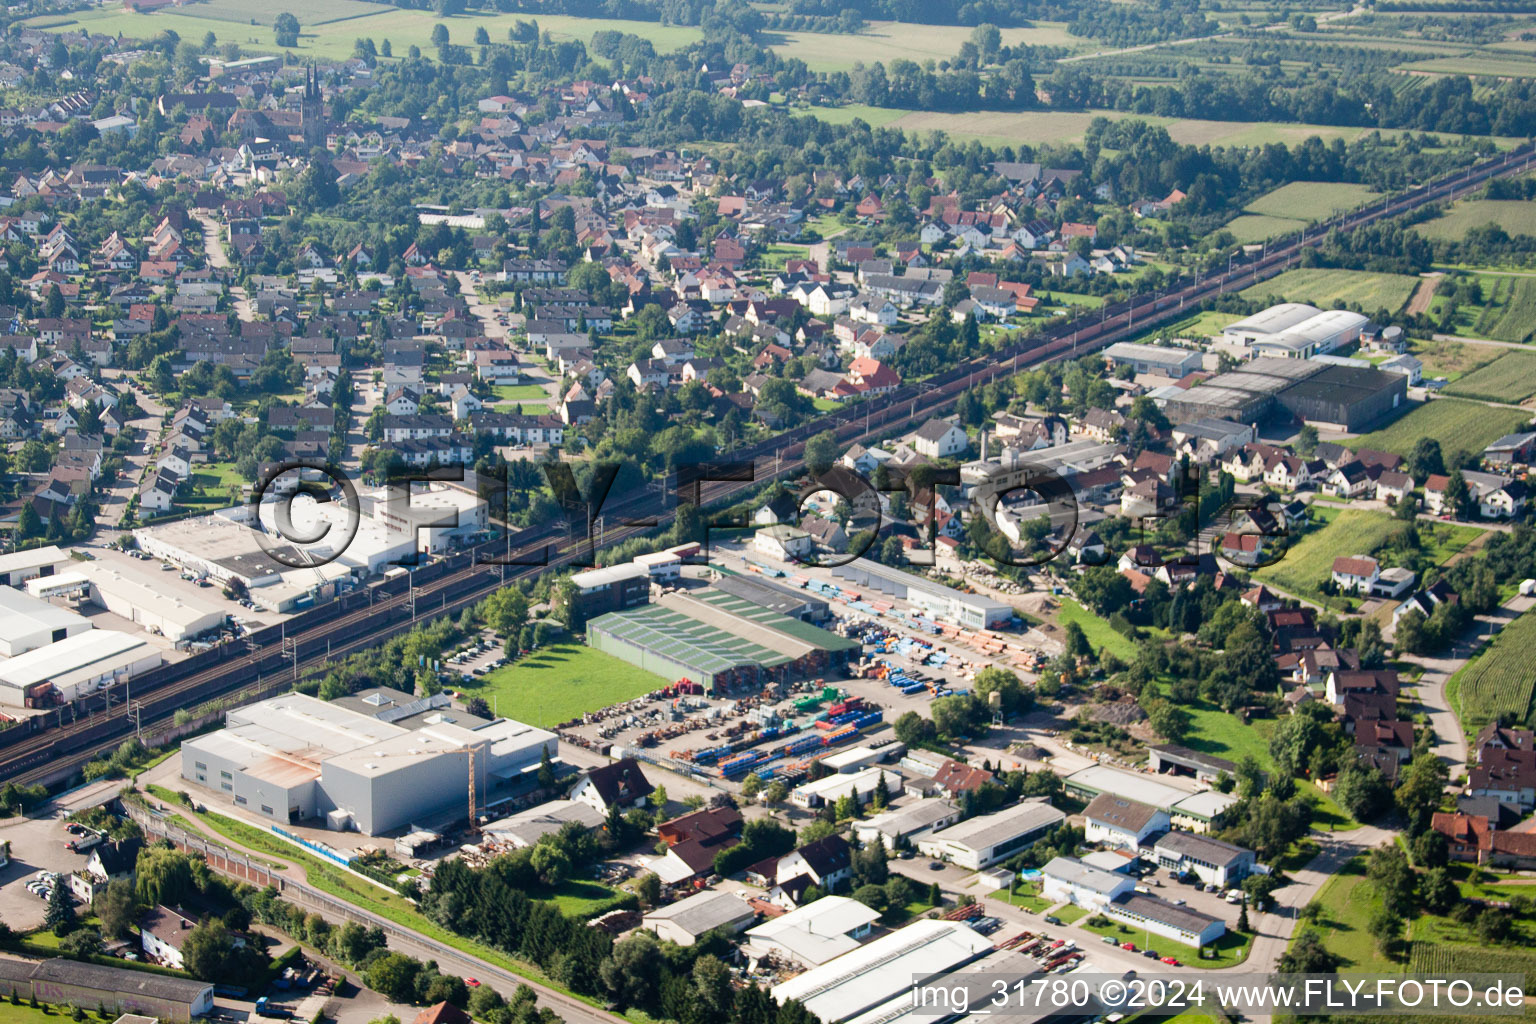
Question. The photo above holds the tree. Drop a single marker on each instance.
(1392, 877)
(439, 34)
(393, 976)
(820, 452)
(1242, 917)
(1425, 459)
(1439, 890)
(872, 896)
(935, 895)
(1168, 720)
(1493, 924)
(1308, 955)
(648, 888)
(1076, 641)
(631, 974)
(482, 37)
(1420, 790)
(1362, 791)
(211, 953)
(751, 786)
(287, 28)
(60, 915)
(116, 907)
(1430, 849)
(712, 984)
(1459, 496)
(164, 876)
(1385, 927)
(1306, 441)
(53, 302)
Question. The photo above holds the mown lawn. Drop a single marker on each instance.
(559, 683)
(521, 393)
(1230, 950)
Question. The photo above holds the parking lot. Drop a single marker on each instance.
(37, 844)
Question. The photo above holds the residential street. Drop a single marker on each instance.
(1450, 739)
(213, 246)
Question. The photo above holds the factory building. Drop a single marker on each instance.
(883, 973)
(797, 604)
(612, 588)
(20, 566)
(294, 758)
(1344, 397)
(74, 667)
(381, 531)
(1268, 323)
(132, 596)
(1170, 362)
(718, 640)
(984, 840)
(62, 982)
(956, 607)
(27, 623)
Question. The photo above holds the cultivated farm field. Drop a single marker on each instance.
(1452, 359)
(1331, 288)
(896, 40)
(1311, 200)
(1509, 312)
(1513, 215)
(331, 27)
(1456, 424)
(1499, 680)
(1510, 378)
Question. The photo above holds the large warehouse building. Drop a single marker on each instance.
(73, 667)
(956, 607)
(1345, 397)
(718, 640)
(293, 758)
(132, 596)
(27, 623)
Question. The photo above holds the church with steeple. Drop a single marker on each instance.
(312, 111)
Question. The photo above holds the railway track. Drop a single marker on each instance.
(52, 752)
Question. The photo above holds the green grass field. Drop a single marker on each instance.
(1511, 378)
(1042, 127)
(331, 34)
(1331, 288)
(559, 683)
(1248, 228)
(1347, 900)
(521, 393)
(893, 40)
(1455, 423)
(1309, 561)
(1311, 200)
(1100, 633)
(1231, 949)
(1452, 359)
(1499, 679)
(1513, 215)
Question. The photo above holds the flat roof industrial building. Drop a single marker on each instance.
(27, 623)
(883, 972)
(988, 838)
(956, 607)
(176, 616)
(1158, 791)
(717, 639)
(75, 666)
(1348, 397)
(292, 758)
